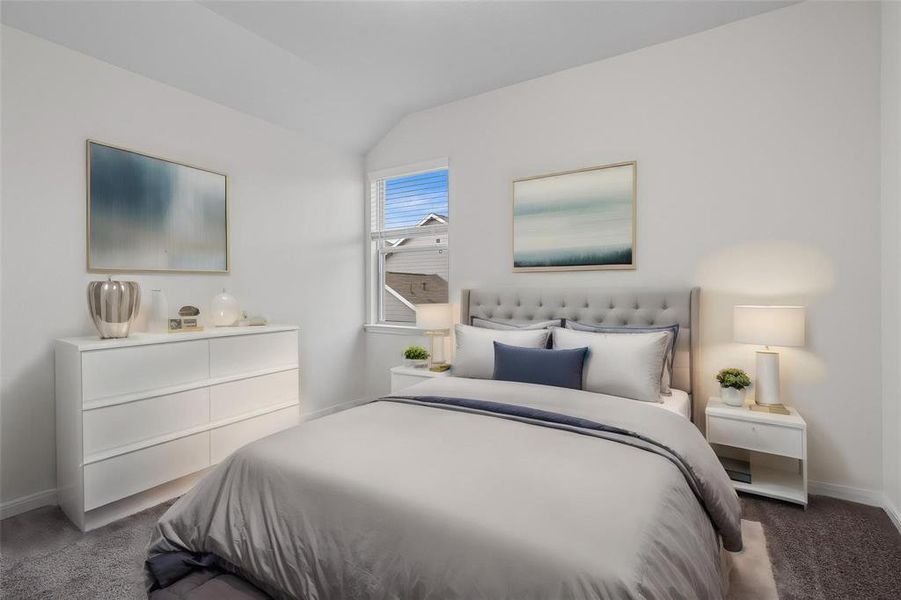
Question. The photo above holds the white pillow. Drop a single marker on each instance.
(475, 347)
(627, 365)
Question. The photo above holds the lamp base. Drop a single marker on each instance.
(436, 350)
(767, 378)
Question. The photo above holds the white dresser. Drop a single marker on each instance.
(138, 420)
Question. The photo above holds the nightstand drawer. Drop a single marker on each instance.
(404, 377)
(401, 382)
(762, 437)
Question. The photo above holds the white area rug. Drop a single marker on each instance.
(750, 571)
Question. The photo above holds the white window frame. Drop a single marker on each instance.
(375, 257)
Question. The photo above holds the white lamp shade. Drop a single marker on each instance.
(769, 325)
(433, 317)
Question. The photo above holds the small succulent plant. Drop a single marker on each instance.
(416, 353)
(733, 378)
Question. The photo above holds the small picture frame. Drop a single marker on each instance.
(181, 324)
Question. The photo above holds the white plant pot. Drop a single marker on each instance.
(732, 396)
(417, 363)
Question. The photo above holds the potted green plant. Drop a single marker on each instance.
(416, 356)
(733, 383)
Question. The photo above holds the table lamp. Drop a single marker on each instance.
(768, 326)
(436, 320)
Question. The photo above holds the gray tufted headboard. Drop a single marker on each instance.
(635, 307)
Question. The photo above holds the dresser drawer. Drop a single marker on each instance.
(762, 437)
(227, 439)
(247, 395)
(248, 353)
(127, 474)
(123, 424)
(120, 371)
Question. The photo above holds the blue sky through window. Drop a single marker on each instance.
(411, 198)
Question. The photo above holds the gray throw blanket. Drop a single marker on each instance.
(468, 489)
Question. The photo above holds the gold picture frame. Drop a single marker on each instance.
(90, 259)
(568, 196)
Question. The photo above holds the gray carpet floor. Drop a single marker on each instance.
(834, 549)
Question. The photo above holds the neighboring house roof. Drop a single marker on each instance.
(417, 288)
(429, 219)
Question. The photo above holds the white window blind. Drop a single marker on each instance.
(408, 243)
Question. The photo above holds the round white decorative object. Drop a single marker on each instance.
(732, 396)
(224, 310)
(158, 315)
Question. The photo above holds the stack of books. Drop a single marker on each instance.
(738, 470)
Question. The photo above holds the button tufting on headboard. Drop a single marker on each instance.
(622, 307)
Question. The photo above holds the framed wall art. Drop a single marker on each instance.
(146, 213)
(576, 220)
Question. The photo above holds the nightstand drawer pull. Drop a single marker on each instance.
(784, 441)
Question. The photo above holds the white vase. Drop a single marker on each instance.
(732, 396)
(224, 310)
(158, 314)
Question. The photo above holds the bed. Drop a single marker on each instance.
(470, 488)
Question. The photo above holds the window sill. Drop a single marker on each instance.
(393, 329)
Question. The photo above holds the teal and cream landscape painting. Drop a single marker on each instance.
(150, 214)
(576, 220)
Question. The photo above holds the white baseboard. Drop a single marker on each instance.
(845, 492)
(860, 495)
(18, 506)
(893, 513)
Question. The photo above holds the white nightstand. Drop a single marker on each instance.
(403, 377)
(764, 434)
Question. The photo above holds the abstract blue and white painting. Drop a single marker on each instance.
(149, 214)
(576, 220)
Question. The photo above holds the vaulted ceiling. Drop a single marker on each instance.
(346, 72)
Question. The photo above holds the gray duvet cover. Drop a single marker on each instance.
(507, 495)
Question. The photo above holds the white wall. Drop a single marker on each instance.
(296, 229)
(891, 252)
(758, 147)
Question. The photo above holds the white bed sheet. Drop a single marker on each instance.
(678, 403)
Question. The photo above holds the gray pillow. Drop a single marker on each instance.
(666, 377)
(507, 326)
(619, 364)
(475, 347)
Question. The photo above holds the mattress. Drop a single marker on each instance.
(679, 402)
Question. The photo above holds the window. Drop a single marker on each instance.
(408, 243)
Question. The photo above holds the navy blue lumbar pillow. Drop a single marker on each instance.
(560, 368)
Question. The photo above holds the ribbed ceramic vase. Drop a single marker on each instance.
(113, 306)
